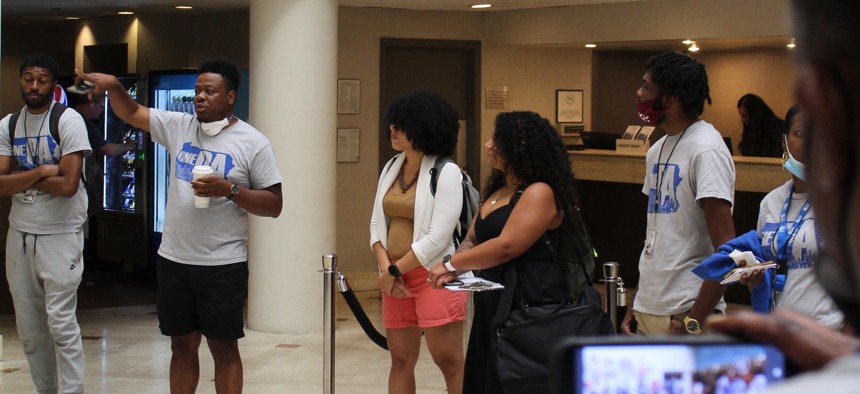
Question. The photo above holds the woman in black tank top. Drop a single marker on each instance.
(532, 168)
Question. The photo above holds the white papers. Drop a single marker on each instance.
(747, 257)
(474, 284)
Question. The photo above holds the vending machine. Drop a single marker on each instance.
(120, 223)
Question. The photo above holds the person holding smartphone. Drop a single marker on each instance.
(410, 229)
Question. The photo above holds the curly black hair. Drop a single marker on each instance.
(681, 76)
(225, 68)
(428, 121)
(41, 60)
(532, 149)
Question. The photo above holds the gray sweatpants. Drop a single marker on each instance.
(44, 271)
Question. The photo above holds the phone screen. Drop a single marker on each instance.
(674, 368)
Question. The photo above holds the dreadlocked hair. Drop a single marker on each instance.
(681, 76)
(532, 150)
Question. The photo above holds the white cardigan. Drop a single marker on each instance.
(434, 218)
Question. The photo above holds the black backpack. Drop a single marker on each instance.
(470, 199)
(91, 167)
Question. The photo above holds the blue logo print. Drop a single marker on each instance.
(800, 250)
(46, 151)
(191, 156)
(670, 178)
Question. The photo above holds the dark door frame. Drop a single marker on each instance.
(473, 115)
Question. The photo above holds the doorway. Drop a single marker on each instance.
(450, 68)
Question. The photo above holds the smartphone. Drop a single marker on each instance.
(682, 365)
(454, 283)
(83, 88)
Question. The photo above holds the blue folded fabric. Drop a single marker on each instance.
(719, 264)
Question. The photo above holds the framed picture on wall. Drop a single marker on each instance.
(568, 106)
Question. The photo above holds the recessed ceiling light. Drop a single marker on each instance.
(183, 7)
(125, 13)
(73, 18)
(591, 45)
(476, 6)
(693, 48)
(687, 42)
(791, 44)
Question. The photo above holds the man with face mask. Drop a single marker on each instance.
(689, 181)
(44, 246)
(827, 88)
(203, 258)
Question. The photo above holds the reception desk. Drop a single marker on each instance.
(613, 206)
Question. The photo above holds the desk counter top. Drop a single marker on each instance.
(753, 174)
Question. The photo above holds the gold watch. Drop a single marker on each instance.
(692, 325)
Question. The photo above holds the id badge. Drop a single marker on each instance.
(649, 244)
(30, 196)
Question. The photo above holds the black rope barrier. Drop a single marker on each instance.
(365, 323)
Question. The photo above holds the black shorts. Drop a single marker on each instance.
(209, 299)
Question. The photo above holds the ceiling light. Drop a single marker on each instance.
(125, 13)
(688, 42)
(591, 45)
(791, 44)
(183, 7)
(693, 48)
(73, 18)
(477, 6)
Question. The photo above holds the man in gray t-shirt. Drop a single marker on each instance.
(40, 167)
(203, 258)
(689, 182)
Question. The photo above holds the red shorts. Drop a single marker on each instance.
(425, 306)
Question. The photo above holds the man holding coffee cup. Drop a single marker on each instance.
(203, 259)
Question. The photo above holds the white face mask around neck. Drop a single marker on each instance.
(213, 128)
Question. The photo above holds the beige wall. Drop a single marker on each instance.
(768, 73)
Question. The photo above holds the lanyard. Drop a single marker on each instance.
(783, 238)
(660, 178)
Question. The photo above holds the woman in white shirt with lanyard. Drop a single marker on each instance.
(786, 225)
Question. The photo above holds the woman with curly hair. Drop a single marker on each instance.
(530, 164)
(762, 135)
(410, 229)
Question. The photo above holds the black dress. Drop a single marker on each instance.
(546, 284)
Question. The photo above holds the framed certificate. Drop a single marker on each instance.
(568, 106)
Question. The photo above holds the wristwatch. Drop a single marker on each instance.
(234, 190)
(393, 270)
(692, 325)
(447, 262)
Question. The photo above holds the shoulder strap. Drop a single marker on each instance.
(434, 172)
(13, 123)
(54, 121)
(390, 163)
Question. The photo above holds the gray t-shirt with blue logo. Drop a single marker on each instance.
(216, 235)
(32, 145)
(681, 170)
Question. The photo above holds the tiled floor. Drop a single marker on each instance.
(125, 353)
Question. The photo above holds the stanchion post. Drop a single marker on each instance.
(610, 278)
(330, 273)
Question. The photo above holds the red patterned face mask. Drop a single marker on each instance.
(648, 112)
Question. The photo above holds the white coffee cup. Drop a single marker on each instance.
(200, 172)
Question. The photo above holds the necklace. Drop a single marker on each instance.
(403, 185)
(498, 195)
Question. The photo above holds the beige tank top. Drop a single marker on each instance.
(400, 207)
